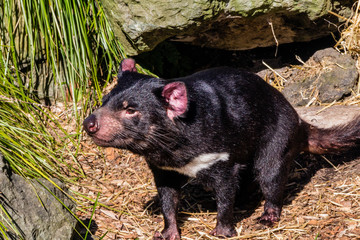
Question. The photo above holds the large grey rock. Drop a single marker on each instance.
(327, 76)
(232, 25)
(35, 212)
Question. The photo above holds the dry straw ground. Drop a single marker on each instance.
(322, 202)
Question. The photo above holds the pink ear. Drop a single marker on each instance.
(175, 95)
(128, 64)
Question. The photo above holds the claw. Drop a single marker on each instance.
(269, 217)
(167, 235)
(223, 232)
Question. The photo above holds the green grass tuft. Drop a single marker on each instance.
(58, 51)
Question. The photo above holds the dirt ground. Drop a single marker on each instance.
(322, 196)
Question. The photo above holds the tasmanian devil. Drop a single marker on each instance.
(211, 125)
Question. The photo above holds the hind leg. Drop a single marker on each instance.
(272, 173)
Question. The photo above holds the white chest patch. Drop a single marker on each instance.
(199, 163)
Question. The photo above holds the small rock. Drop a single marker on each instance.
(327, 76)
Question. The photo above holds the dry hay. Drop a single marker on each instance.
(349, 41)
(350, 35)
(323, 200)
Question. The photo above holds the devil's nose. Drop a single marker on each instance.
(91, 125)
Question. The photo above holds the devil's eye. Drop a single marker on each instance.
(130, 111)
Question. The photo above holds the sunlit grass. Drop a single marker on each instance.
(50, 51)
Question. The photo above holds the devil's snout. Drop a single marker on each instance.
(91, 124)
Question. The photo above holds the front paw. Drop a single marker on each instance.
(167, 234)
(223, 232)
(270, 217)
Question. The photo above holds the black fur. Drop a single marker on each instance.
(221, 110)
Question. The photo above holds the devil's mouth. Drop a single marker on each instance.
(116, 142)
(101, 142)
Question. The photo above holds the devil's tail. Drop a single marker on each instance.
(333, 140)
